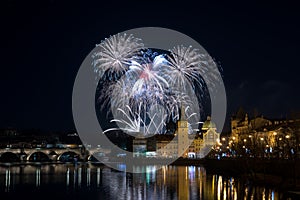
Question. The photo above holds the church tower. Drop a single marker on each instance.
(182, 134)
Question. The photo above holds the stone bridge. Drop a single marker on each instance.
(47, 154)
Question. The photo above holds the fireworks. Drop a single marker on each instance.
(148, 73)
(133, 122)
(185, 64)
(145, 88)
(115, 54)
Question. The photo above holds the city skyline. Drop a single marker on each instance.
(149, 100)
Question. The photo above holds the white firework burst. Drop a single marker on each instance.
(115, 54)
(148, 74)
(142, 83)
(184, 66)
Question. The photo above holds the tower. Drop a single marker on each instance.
(182, 132)
(210, 135)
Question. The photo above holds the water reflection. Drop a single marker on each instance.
(38, 177)
(7, 180)
(68, 177)
(169, 182)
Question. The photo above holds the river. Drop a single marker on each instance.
(88, 181)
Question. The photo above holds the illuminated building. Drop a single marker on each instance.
(181, 144)
(261, 137)
(167, 148)
(182, 135)
(210, 137)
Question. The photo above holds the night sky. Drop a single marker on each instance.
(43, 45)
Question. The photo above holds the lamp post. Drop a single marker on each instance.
(274, 143)
(262, 146)
(287, 144)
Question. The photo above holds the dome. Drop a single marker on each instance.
(208, 124)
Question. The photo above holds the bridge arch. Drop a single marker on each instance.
(68, 156)
(38, 156)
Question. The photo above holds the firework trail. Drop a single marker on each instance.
(132, 122)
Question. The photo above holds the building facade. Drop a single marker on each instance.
(261, 137)
(181, 144)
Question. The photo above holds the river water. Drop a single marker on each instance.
(88, 181)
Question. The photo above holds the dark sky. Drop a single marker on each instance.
(43, 45)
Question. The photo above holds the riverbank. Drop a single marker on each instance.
(277, 173)
(288, 168)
